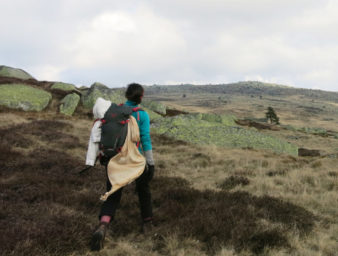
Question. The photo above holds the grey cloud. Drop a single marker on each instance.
(179, 40)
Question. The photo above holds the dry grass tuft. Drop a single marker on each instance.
(233, 181)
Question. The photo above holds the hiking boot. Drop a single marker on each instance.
(98, 237)
(147, 227)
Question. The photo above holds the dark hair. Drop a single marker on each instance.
(134, 93)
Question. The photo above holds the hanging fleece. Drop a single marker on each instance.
(127, 165)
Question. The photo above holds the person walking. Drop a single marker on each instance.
(134, 95)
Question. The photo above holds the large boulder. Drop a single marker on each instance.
(14, 72)
(100, 90)
(19, 96)
(69, 104)
(194, 128)
(155, 106)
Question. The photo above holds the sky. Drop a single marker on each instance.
(290, 42)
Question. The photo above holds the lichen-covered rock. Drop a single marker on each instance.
(83, 87)
(63, 86)
(19, 96)
(193, 128)
(155, 106)
(100, 90)
(14, 72)
(69, 104)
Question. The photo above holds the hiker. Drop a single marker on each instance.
(134, 94)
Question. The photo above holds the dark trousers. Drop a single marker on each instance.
(110, 206)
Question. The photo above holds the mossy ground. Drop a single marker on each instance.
(155, 106)
(218, 130)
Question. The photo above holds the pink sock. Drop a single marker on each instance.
(105, 218)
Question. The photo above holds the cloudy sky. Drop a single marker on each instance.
(292, 42)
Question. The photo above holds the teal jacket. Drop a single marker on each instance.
(144, 125)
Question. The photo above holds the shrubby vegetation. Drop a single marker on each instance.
(272, 116)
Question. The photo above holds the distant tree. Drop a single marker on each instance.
(272, 116)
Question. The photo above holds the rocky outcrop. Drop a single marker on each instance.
(155, 106)
(69, 104)
(308, 152)
(14, 72)
(100, 90)
(19, 96)
(213, 129)
(257, 125)
(175, 112)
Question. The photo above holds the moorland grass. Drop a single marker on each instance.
(48, 209)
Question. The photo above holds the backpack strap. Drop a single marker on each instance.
(137, 109)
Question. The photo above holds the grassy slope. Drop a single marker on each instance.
(207, 200)
(297, 111)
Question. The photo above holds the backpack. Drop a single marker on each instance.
(114, 130)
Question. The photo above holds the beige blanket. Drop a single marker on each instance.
(127, 165)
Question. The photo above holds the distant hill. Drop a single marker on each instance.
(244, 88)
